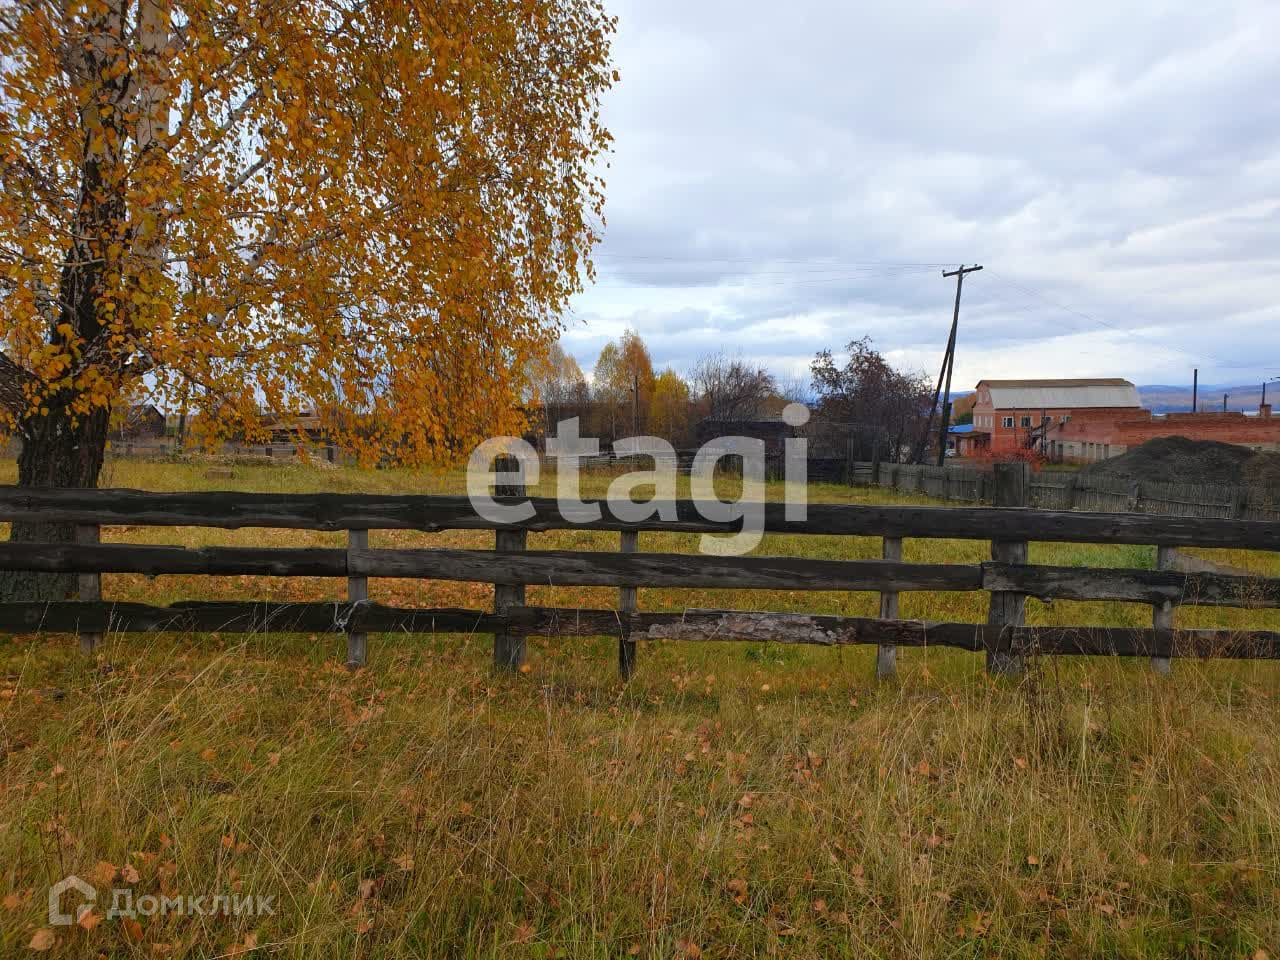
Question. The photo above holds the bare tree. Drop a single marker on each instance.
(731, 389)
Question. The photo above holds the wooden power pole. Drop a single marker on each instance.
(943, 387)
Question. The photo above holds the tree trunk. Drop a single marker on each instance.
(55, 453)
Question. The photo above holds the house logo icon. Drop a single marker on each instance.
(56, 916)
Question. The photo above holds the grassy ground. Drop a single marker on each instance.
(731, 801)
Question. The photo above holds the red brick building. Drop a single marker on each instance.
(1096, 435)
(1013, 414)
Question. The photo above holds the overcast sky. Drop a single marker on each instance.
(790, 176)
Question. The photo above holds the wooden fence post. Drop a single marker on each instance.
(1012, 488)
(357, 591)
(89, 584)
(875, 464)
(628, 603)
(508, 647)
(886, 653)
(1162, 613)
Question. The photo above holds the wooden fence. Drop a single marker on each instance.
(511, 566)
(1069, 490)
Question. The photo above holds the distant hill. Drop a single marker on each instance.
(1170, 398)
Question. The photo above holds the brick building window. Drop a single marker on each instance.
(1026, 421)
(1006, 421)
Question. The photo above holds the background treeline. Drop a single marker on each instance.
(857, 399)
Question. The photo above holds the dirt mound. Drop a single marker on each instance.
(1179, 460)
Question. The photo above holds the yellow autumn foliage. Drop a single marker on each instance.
(375, 210)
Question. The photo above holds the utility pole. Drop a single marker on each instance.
(635, 403)
(1264, 390)
(948, 364)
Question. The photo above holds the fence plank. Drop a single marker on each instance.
(152, 560)
(587, 569)
(1162, 612)
(239, 617)
(1009, 641)
(623, 570)
(1006, 609)
(1165, 585)
(628, 604)
(508, 646)
(555, 567)
(89, 584)
(335, 511)
(698, 625)
(357, 592)
(887, 653)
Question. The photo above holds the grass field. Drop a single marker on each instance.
(731, 801)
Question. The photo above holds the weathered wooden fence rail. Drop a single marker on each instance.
(1069, 490)
(1008, 577)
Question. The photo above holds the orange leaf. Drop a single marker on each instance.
(42, 940)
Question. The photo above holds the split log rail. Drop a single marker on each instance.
(510, 567)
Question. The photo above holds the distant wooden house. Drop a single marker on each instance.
(141, 421)
(286, 429)
(772, 432)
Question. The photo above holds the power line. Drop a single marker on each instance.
(834, 261)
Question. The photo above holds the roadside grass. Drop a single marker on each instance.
(732, 800)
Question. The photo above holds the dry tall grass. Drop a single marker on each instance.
(731, 801)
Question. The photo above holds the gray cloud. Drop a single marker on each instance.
(790, 177)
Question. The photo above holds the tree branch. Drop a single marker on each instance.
(12, 380)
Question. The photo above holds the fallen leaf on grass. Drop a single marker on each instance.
(42, 940)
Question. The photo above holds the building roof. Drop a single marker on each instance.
(1069, 394)
(961, 428)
